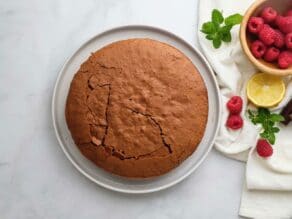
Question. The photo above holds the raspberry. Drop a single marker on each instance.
(264, 149)
(288, 13)
(285, 59)
(271, 54)
(288, 40)
(279, 39)
(269, 14)
(234, 122)
(255, 24)
(284, 23)
(234, 105)
(258, 49)
(267, 35)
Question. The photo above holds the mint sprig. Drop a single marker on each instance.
(218, 29)
(268, 121)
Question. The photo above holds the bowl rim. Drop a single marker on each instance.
(243, 40)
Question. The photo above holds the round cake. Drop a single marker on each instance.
(137, 108)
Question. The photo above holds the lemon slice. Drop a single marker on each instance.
(265, 90)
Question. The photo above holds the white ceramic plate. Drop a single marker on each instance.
(98, 175)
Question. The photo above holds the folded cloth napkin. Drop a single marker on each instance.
(267, 192)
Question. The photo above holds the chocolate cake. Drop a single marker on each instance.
(137, 108)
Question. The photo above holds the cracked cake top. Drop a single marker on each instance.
(137, 108)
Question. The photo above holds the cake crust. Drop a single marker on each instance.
(137, 108)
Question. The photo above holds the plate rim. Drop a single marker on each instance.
(201, 159)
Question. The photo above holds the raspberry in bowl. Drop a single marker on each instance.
(266, 36)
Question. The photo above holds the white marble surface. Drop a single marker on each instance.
(36, 180)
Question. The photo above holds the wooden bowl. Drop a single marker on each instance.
(245, 38)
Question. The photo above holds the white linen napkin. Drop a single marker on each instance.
(268, 189)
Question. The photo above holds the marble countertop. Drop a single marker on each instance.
(36, 179)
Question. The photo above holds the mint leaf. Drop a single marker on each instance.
(250, 114)
(208, 28)
(226, 37)
(225, 29)
(233, 19)
(215, 31)
(276, 118)
(263, 112)
(254, 117)
(216, 42)
(265, 135)
(217, 17)
(217, 26)
(210, 36)
(272, 138)
(276, 129)
(267, 120)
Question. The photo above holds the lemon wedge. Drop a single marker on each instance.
(265, 90)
